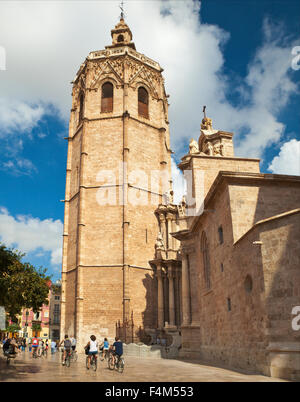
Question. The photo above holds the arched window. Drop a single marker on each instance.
(143, 100)
(205, 256)
(120, 38)
(81, 105)
(107, 97)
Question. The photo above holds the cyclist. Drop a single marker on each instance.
(117, 349)
(34, 345)
(67, 347)
(92, 346)
(73, 342)
(105, 348)
(10, 347)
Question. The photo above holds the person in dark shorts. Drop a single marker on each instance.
(117, 348)
(67, 347)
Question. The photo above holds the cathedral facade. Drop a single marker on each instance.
(219, 274)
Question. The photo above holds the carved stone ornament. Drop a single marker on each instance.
(159, 244)
(193, 147)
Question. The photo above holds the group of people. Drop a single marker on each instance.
(13, 345)
(92, 348)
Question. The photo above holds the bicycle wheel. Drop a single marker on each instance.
(110, 363)
(94, 359)
(68, 361)
(121, 365)
(74, 356)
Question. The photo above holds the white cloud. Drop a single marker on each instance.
(19, 166)
(18, 116)
(288, 159)
(29, 234)
(54, 38)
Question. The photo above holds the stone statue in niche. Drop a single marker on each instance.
(159, 244)
(208, 148)
(218, 149)
(168, 197)
(182, 207)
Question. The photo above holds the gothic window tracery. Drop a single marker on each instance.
(107, 97)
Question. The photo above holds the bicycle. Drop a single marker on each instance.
(93, 362)
(67, 360)
(116, 362)
(35, 353)
(9, 356)
(105, 354)
(42, 352)
(73, 356)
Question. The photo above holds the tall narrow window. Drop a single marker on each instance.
(107, 97)
(221, 238)
(143, 102)
(205, 256)
(81, 105)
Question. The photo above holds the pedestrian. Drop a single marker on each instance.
(53, 347)
(73, 342)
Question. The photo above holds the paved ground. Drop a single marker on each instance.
(24, 368)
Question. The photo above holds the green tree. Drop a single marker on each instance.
(13, 328)
(21, 284)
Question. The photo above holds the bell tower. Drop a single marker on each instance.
(118, 169)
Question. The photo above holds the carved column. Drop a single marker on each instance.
(169, 227)
(163, 225)
(160, 297)
(171, 296)
(185, 291)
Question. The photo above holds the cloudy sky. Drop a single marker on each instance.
(239, 58)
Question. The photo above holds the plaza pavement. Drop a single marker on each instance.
(49, 369)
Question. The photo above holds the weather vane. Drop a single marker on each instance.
(122, 9)
(204, 107)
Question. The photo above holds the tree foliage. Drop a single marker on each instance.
(21, 284)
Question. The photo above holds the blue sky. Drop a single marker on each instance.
(233, 56)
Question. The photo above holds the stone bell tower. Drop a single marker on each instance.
(118, 151)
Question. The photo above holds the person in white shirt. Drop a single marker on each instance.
(73, 342)
(92, 346)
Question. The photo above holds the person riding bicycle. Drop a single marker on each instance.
(92, 347)
(117, 349)
(10, 347)
(73, 342)
(67, 347)
(34, 345)
(104, 347)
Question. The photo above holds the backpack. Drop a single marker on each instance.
(67, 344)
